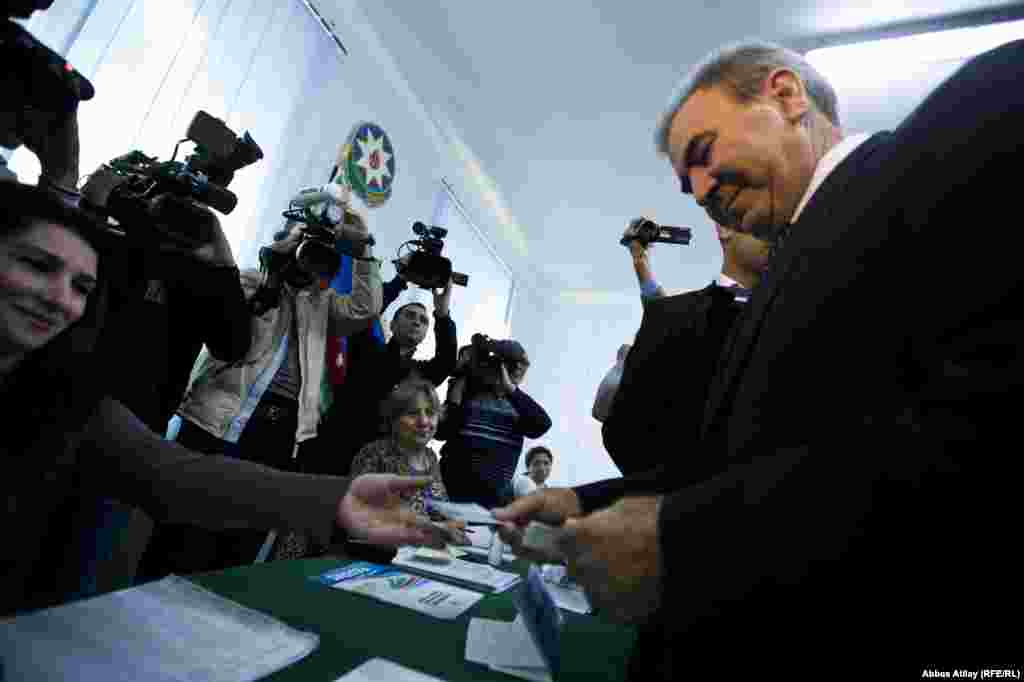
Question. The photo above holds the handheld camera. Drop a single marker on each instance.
(426, 266)
(647, 231)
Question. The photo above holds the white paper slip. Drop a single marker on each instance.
(471, 513)
(569, 598)
(430, 597)
(170, 629)
(459, 571)
(506, 647)
(383, 670)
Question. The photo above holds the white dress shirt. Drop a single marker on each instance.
(828, 163)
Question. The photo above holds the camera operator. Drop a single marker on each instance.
(374, 369)
(167, 303)
(658, 405)
(486, 417)
(262, 408)
(41, 96)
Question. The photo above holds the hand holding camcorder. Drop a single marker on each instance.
(424, 265)
(646, 231)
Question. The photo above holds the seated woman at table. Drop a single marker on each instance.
(62, 432)
(412, 411)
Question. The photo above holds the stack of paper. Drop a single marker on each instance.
(458, 571)
(171, 629)
(414, 592)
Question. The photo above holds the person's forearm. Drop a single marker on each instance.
(446, 348)
(533, 421)
(391, 291)
(176, 484)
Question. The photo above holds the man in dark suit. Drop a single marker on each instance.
(865, 498)
(659, 404)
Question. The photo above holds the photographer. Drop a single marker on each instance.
(41, 93)
(262, 408)
(486, 417)
(374, 369)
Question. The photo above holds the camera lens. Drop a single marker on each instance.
(317, 259)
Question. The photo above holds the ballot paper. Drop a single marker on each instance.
(507, 647)
(458, 571)
(528, 647)
(383, 670)
(472, 513)
(430, 597)
(170, 629)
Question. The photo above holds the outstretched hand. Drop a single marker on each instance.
(373, 510)
(553, 506)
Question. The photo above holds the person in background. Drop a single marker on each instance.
(412, 412)
(263, 408)
(59, 425)
(486, 417)
(658, 404)
(374, 369)
(538, 468)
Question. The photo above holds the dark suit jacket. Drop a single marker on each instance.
(659, 405)
(866, 415)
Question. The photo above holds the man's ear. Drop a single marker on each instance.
(784, 87)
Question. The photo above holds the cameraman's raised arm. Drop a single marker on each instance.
(353, 312)
(210, 287)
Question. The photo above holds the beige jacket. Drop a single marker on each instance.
(217, 390)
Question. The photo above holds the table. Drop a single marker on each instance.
(354, 628)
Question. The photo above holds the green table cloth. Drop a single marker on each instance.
(354, 628)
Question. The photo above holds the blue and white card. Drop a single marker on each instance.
(430, 597)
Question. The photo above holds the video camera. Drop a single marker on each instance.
(647, 231)
(492, 353)
(150, 194)
(321, 210)
(426, 266)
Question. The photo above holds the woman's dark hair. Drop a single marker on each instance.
(59, 385)
(537, 450)
(404, 397)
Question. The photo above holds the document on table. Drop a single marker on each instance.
(458, 571)
(506, 647)
(383, 670)
(167, 630)
(388, 584)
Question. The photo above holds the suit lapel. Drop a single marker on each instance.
(743, 337)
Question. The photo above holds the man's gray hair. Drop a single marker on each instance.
(742, 67)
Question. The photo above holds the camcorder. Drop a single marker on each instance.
(38, 84)
(321, 210)
(492, 353)
(647, 231)
(161, 196)
(426, 267)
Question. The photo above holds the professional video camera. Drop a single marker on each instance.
(647, 231)
(426, 267)
(36, 81)
(488, 352)
(321, 210)
(162, 195)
